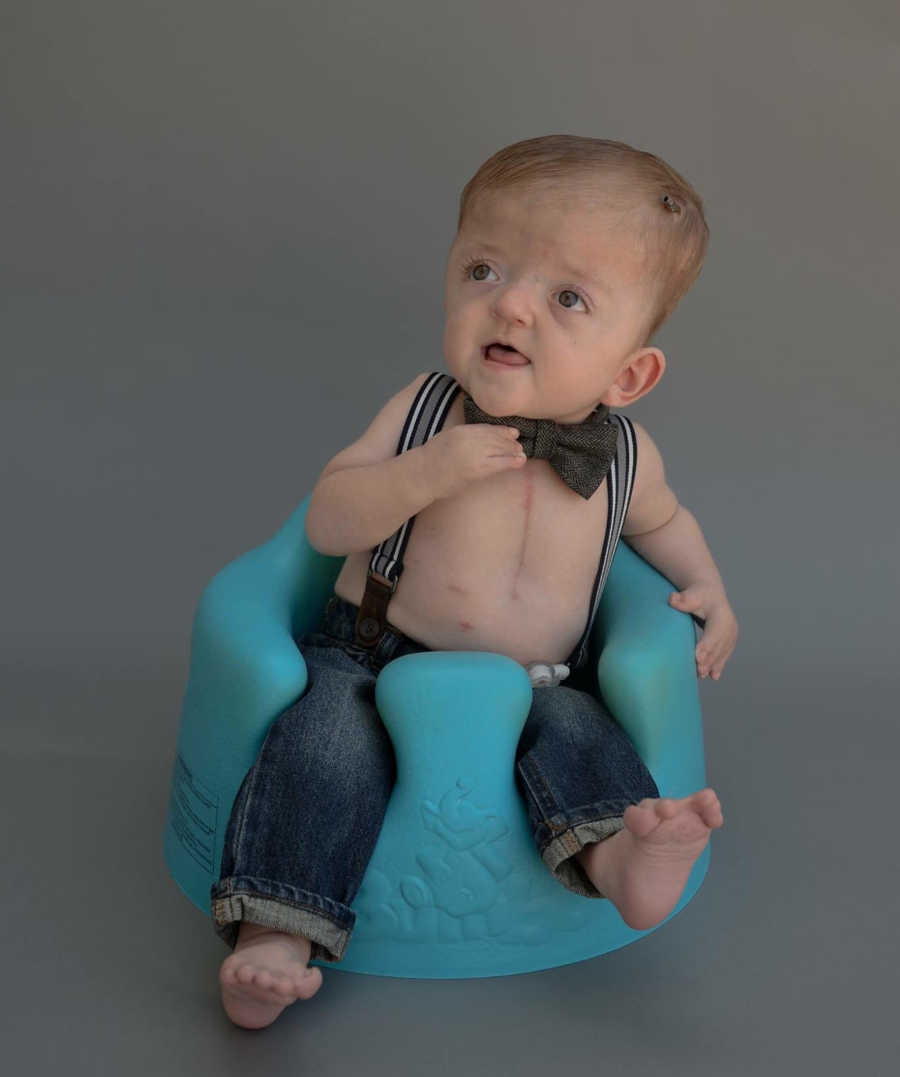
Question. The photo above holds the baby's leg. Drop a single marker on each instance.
(643, 868)
(599, 823)
(300, 835)
(267, 971)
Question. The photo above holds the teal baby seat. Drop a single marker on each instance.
(455, 886)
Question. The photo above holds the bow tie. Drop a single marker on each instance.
(581, 453)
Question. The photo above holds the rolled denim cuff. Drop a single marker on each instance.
(326, 923)
(559, 853)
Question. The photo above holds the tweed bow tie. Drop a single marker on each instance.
(581, 453)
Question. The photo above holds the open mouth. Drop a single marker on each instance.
(503, 353)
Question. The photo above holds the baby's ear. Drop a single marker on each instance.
(639, 375)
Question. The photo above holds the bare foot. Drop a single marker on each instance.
(643, 868)
(267, 971)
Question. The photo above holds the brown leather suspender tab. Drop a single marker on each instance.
(372, 617)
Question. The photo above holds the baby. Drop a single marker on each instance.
(570, 252)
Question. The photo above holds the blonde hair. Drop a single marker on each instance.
(672, 233)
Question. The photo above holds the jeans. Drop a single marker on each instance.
(309, 811)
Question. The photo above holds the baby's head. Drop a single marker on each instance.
(574, 251)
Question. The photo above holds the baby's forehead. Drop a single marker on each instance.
(573, 208)
(565, 199)
(580, 234)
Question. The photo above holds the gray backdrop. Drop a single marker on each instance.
(224, 231)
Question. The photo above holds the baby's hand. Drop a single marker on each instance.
(720, 632)
(462, 454)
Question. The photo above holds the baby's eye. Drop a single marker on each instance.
(473, 265)
(569, 291)
(471, 271)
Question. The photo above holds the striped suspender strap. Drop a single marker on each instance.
(619, 485)
(425, 419)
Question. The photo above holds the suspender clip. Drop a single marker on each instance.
(372, 617)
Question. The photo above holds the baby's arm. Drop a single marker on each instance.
(669, 537)
(367, 491)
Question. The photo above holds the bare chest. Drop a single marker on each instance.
(506, 566)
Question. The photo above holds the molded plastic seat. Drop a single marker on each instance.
(456, 886)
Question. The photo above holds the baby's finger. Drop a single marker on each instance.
(706, 661)
(718, 662)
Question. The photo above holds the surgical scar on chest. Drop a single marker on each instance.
(526, 502)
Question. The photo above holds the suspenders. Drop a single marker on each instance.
(426, 418)
(619, 485)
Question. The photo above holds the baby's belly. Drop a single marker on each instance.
(470, 615)
(473, 581)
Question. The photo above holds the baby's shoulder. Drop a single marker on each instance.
(645, 449)
(652, 501)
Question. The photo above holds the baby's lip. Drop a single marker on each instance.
(487, 346)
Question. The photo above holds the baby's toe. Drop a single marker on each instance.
(708, 807)
(274, 988)
(641, 818)
(310, 982)
(280, 985)
(231, 966)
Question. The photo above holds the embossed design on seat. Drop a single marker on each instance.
(468, 885)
